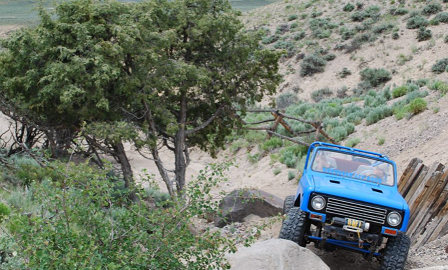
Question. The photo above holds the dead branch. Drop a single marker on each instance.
(288, 138)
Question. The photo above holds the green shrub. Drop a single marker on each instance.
(399, 91)
(378, 29)
(294, 25)
(446, 39)
(375, 76)
(395, 35)
(440, 86)
(272, 144)
(312, 64)
(378, 114)
(4, 211)
(348, 7)
(440, 66)
(270, 39)
(352, 142)
(417, 105)
(346, 33)
(284, 45)
(423, 34)
(281, 29)
(381, 141)
(291, 175)
(434, 22)
(442, 17)
(416, 22)
(320, 94)
(401, 111)
(422, 82)
(329, 57)
(344, 73)
(290, 155)
(398, 11)
(276, 171)
(359, 5)
(299, 36)
(358, 16)
(286, 99)
(292, 17)
(432, 8)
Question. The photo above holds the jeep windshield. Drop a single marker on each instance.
(353, 166)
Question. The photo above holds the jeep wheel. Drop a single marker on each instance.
(295, 226)
(396, 252)
(288, 204)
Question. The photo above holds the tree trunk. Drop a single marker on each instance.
(125, 168)
(179, 146)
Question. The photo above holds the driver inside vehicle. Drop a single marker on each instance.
(379, 171)
(320, 162)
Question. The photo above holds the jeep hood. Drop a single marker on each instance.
(359, 190)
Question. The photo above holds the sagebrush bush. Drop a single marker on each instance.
(399, 91)
(282, 29)
(395, 35)
(299, 36)
(416, 22)
(378, 29)
(292, 17)
(4, 211)
(440, 86)
(329, 57)
(378, 114)
(312, 64)
(270, 39)
(423, 34)
(417, 105)
(344, 73)
(352, 142)
(440, 66)
(348, 7)
(346, 33)
(291, 175)
(272, 144)
(398, 11)
(432, 8)
(342, 92)
(442, 17)
(286, 99)
(375, 76)
(320, 94)
(401, 111)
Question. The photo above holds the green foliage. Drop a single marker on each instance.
(320, 94)
(299, 36)
(272, 144)
(286, 99)
(399, 91)
(282, 29)
(440, 66)
(381, 141)
(378, 114)
(270, 39)
(381, 28)
(417, 105)
(352, 142)
(375, 76)
(92, 227)
(348, 7)
(344, 73)
(398, 11)
(329, 57)
(372, 12)
(292, 17)
(446, 39)
(321, 28)
(440, 86)
(291, 175)
(401, 111)
(395, 35)
(291, 155)
(276, 171)
(4, 211)
(432, 8)
(312, 64)
(423, 34)
(442, 17)
(416, 22)
(346, 33)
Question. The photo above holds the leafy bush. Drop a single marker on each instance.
(442, 17)
(312, 64)
(318, 95)
(398, 11)
(399, 91)
(329, 57)
(440, 86)
(342, 92)
(446, 39)
(300, 35)
(440, 66)
(291, 155)
(416, 22)
(281, 29)
(286, 45)
(276, 171)
(395, 35)
(432, 8)
(381, 141)
(344, 73)
(417, 105)
(4, 211)
(423, 34)
(348, 7)
(378, 114)
(422, 82)
(270, 39)
(272, 143)
(434, 22)
(352, 142)
(375, 76)
(358, 16)
(292, 17)
(291, 175)
(378, 29)
(286, 99)
(401, 111)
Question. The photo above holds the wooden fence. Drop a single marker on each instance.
(426, 191)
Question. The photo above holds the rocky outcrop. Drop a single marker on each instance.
(275, 254)
(243, 202)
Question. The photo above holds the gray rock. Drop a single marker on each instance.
(243, 202)
(275, 254)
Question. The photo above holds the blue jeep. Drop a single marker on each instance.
(348, 198)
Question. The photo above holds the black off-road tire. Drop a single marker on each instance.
(396, 252)
(295, 226)
(288, 204)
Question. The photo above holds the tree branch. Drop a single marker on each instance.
(206, 123)
(287, 138)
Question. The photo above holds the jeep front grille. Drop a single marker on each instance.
(355, 210)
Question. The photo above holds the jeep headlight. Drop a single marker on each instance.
(318, 202)
(393, 218)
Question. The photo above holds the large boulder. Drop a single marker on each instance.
(275, 254)
(243, 202)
